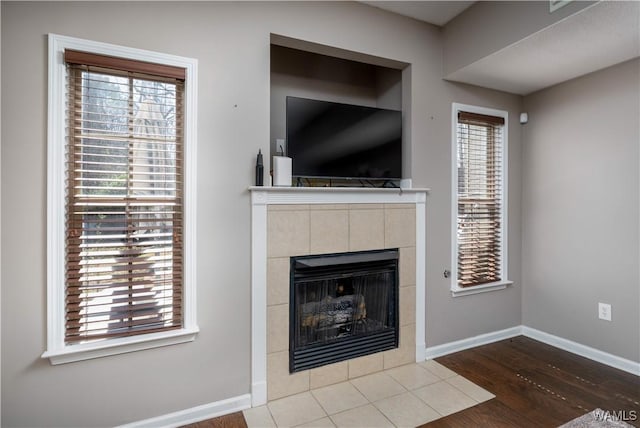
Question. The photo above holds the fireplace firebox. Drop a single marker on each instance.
(342, 306)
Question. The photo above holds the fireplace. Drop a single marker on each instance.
(290, 222)
(342, 306)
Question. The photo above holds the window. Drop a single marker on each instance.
(121, 176)
(480, 199)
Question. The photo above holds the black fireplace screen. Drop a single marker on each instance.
(342, 306)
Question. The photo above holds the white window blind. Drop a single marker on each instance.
(124, 214)
(479, 214)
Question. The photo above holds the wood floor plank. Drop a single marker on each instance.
(546, 386)
(232, 420)
(515, 391)
(490, 414)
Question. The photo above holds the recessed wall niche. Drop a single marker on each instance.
(309, 74)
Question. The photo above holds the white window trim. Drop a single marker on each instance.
(57, 351)
(457, 291)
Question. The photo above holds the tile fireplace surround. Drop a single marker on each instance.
(294, 221)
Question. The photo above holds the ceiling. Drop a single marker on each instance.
(594, 38)
(433, 12)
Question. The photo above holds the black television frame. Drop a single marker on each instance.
(388, 147)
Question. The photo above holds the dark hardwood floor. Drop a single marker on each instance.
(536, 385)
(233, 420)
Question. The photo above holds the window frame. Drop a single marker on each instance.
(58, 352)
(456, 290)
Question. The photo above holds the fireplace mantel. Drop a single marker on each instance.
(335, 195)
(261, 198)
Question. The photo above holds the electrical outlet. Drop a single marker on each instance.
(604, 311)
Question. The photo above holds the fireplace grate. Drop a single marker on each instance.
(329, 353)
(342, 306)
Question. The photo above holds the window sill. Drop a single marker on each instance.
(494, 286)
(72, 353)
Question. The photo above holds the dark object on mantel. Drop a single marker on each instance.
(259, 169)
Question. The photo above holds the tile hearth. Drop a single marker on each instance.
(404, 396)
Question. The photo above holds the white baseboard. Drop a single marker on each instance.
(242, 402)
(195, 414)
(583, 350)
(550, 339)
(471, 342)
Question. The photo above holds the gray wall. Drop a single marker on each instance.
(447, 318)
(489, 26)
(309, 75)
(581, 209)
(231, 42)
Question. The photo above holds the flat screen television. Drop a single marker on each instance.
(343, 141)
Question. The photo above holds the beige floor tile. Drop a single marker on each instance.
(377, 386)
(296, 410)
(435, 391)
(338, 398)
(412, 376)
(258, 417)
(471, 389)
(406, 410)
(280, 382)
(444, 398)
(320, 423)
(329, 374)
(365, 416)
(366, 365)
(438, 369)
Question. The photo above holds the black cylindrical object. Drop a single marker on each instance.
(259, 170)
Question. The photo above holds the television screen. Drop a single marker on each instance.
(333, 140)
